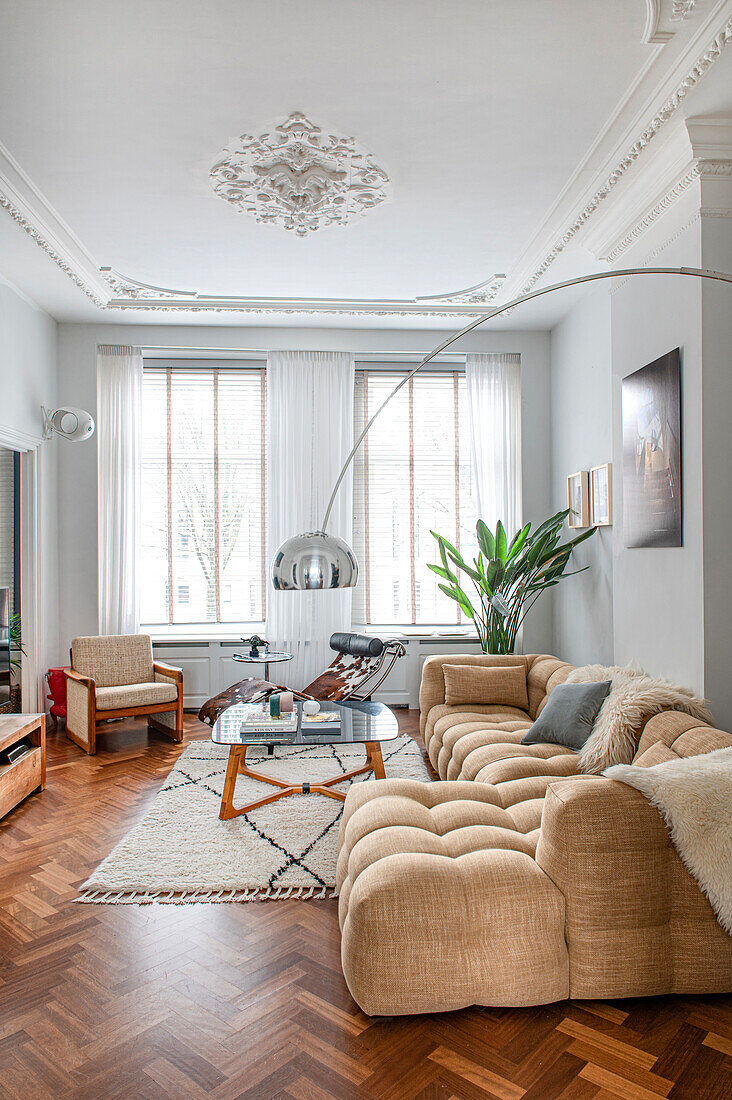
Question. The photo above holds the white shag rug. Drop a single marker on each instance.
(181, 852)
(633, 698)
(694, 796)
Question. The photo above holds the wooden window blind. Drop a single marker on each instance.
(203, 495)
(411, 476)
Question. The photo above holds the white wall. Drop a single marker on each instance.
(78, 478)
(581, 411)
(659, 592)
(27, 381)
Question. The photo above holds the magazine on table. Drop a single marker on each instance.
(325, 721)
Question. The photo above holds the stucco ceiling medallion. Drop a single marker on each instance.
(299, 178)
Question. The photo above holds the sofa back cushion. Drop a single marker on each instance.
(115, 659)
(501, 685)
(673, 734)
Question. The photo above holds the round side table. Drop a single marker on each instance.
(267, 658)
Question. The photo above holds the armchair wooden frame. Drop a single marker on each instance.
(95, 716)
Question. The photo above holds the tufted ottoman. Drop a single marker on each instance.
(442, 903)
(482, 888)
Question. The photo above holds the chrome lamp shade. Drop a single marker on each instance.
(314, 560)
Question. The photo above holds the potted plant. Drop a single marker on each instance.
(508, 577)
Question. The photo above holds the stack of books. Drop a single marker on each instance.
(258, 724)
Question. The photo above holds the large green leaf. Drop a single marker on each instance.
(553, 523)
(494, 573)
(461, 564)
(501, 542)
(443, 542)
(485, 540)
(459, 596)
(518, 541)
(440, 571)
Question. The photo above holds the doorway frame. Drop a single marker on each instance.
(31, 574)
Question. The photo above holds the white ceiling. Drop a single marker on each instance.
(481, 112)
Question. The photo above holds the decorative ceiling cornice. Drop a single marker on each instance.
(701, 66)
(480, 294)
(698, 169)
(50, 251)
(128, 293)
(299, 178)
(661, 17)
(113, 292)
(700, 150)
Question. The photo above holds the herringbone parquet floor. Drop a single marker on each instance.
(231, 1001)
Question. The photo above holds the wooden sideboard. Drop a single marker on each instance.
(27, 774)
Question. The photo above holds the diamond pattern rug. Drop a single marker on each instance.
(181, 852)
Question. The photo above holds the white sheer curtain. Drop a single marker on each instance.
(119, 401)
(309, 434)
(494, 410)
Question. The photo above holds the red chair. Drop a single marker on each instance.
(56, 680)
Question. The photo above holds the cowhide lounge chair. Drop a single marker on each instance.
(360, 668)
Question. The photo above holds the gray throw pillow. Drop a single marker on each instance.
(568, 716)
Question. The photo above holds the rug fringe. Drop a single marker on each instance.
(211, 897)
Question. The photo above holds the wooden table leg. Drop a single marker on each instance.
(237, 765)
(375, 759)
(237, 753)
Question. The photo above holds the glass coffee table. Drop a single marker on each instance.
(367, 724)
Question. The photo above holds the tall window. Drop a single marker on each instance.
(412, 475)
(203, 488)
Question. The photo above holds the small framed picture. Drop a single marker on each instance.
(578, 499)
(601, 495)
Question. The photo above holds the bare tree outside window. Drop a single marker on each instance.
(203, 495)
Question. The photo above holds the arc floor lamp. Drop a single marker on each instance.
(317, 560)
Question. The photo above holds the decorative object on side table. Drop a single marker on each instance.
(652, 453)
(266, 657)
(578, 500)
(508, 577)
(601, 495)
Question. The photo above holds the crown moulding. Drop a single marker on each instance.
(700, 149)
(113, 292)
(672, 91)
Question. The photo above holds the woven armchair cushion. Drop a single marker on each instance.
(501, 685)
(135, 695)
(115, 659)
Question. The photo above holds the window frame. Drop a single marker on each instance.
(215, 628)
(462, 626)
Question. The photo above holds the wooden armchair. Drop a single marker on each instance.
(116, 677)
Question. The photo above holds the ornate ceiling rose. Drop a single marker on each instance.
(299, 178)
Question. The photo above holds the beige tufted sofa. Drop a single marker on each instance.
(517, 881)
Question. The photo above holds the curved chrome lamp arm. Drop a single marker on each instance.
(696, 272)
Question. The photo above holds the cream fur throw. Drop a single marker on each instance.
(694, 796)
(632, 699)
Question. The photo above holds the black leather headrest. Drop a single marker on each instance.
(356, 645)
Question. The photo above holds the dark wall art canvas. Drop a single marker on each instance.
(652, 454)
